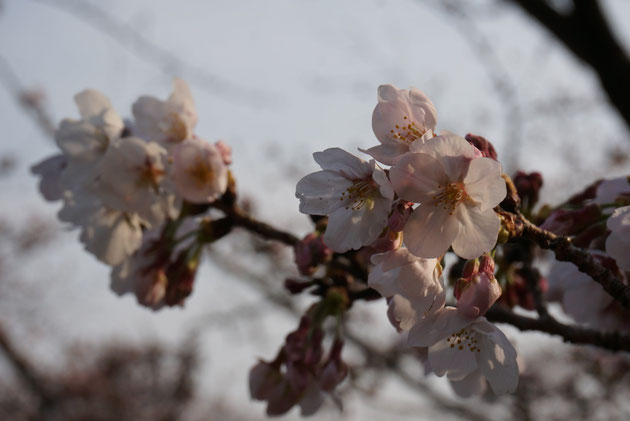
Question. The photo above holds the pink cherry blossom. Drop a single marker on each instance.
(467, 351)
(400, 118)
(167, 122)
(356, 195)
(457, 193)
(200, 174)
(413, 283)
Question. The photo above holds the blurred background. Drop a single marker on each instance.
(278, 80)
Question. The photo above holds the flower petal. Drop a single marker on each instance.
(429, 231)
(456, 361)
(338, 160)
(484, 183)
(472, 384)
(497, 362)
(478, 231)
(417, 176)
(320, 192)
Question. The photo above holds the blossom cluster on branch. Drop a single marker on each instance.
(148, 194)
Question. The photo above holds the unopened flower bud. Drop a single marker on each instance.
(335, 370)
(528, 187)
(311, 252)
(225, 151)
(571, 222)
(483, 144)
(399, 216)
(263, 377)
(478, 296)
(296, 287)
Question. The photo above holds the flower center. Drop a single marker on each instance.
(464, 339)
(361, 193)
(201, 173)
(150, 174)
(407, 133)
(450, 196)
(174, 127)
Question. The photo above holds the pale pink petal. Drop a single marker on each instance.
(422, 101)
(320, 192)
(453, 151)
(497, 362)
(471, 385)
(388, 153)
(417, 176)
(456, 361)
(478, 231)
(484, 183)
(338, 160)
(430, 231)
(385, 186)
(91, 103)
(401, 313)
(437, 326)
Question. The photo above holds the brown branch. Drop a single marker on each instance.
(565, 251)
(612, 341)
(25, 370)
(243, 220)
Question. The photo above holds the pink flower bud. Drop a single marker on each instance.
(263, 377)
(225, 151)
(483, 145)
(335, 370)
(570, 222)
(478, 296)
(311, 252)
(399, 216)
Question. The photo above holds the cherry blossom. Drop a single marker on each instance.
(356, 195)
(400, 118)
(618, 242)
(457, 193)
(414, 282)
(167, 122)
(131, 180)
(467, 351)
(199, 170)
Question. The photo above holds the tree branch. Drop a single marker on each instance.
(587, 34)
(612, 341)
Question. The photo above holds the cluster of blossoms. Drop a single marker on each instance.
(142, 193)
(438, 192)
(127, 187)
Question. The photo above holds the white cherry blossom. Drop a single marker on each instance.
(457, 193)
(618, 242)
(356, 195)
(413, 284)
(132, 174)
(84, 142)
(201, 175)
(400, 118)
(167, 122)
(467, 351)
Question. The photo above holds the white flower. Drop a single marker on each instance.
(131, 177)
(457, 193)
(618, 242)
(200, 173)
(356, 195)
(167, 122)
(400, 118)
(413, 283)
(85, 142)
(111, 235)
(467, 351)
